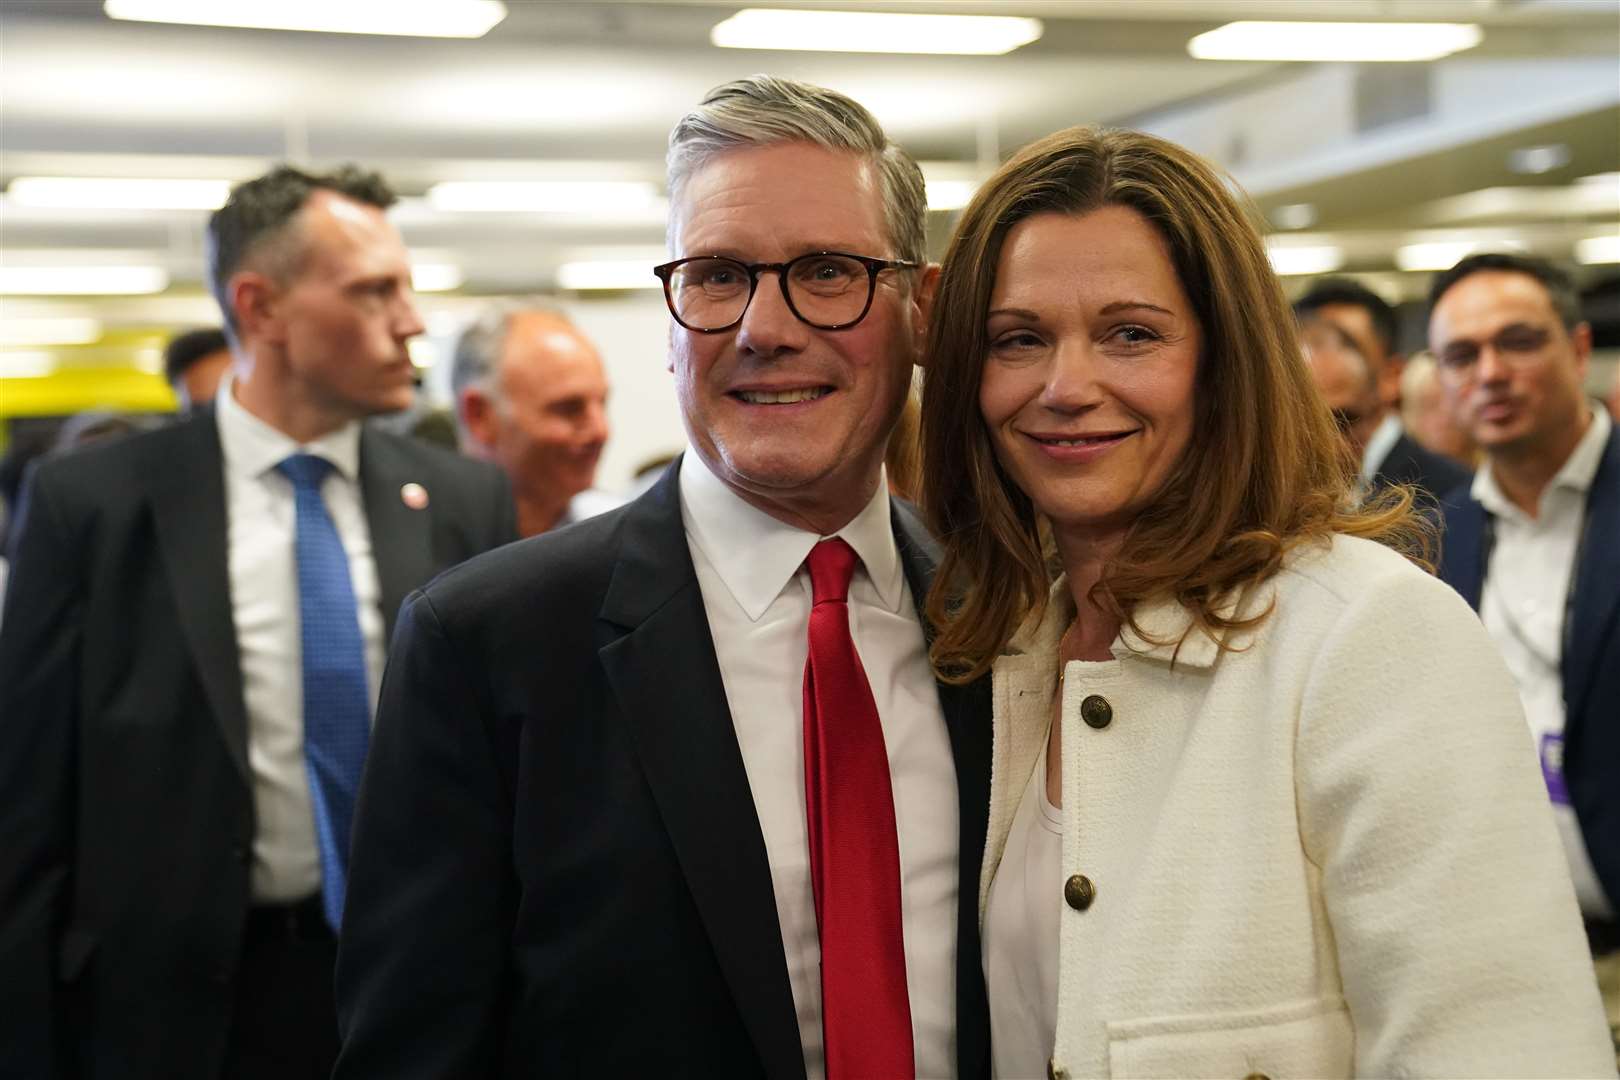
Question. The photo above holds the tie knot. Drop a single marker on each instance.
(832, 564)
(306, 471)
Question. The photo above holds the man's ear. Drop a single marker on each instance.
(927, 288)
(478, 421)
(255, 302)
(1389, 380)
(1581, 338)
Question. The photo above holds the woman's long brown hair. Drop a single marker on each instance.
(1263, 471)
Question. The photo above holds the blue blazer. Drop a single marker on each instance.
(1591, 661)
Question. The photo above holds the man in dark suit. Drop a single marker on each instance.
(673, 791)
(195, 622)
(1389, 455)
(1534, 545)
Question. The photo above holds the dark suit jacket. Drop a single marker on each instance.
(127, 817)
(557, 867)
(1409, 463)
(1590, 667)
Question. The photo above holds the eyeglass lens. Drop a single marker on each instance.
(824, 290)
(1514, 345)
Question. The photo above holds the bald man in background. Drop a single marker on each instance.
(531, 396)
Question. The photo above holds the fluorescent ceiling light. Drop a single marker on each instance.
(436, 277)
(1607, 180)
(1599, 249)
(1294, 216)
(1294, 259)
(109, 193)
(1442, 255)
(422, 353)
(26, 365)
(409, 18)
(82, 280)
(950, 194)
(1535, 160)
(1334, 41)
(542, 196)
(49, 331)
(874, 32)
(607, 274)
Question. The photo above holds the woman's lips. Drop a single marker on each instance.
(1077, 447)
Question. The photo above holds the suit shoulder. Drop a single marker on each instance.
(125, 465)
(554, 570)
(412, 453)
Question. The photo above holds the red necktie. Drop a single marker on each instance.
(854, 857)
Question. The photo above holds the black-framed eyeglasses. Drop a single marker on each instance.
(829, 290)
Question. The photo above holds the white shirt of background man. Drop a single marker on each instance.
(261, 531)
(1523, 604)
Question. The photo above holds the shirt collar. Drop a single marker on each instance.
(1383, 440)
(1577, 473)
(252, 447)
(756, 555)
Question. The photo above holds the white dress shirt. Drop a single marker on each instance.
(1022, 923)
(1382, 441)
(1523, 603)
(260, 528)
(757, 596)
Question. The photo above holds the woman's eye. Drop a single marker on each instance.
(1135, 335)
(1019, 340)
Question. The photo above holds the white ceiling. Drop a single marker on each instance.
(591, 89)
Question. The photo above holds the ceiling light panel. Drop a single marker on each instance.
(113, 193)
(82, 280)
(413, 18)
(59, 330)
(874, 32)
(607, 274)
(1359, 42)
(1296, 259)
(436, 277)
(1596, 250)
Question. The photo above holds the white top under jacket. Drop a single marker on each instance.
(1329, 854)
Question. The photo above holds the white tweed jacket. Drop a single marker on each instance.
(1329, 854)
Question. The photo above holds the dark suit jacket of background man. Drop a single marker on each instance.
(1408, 462)
(1590, 665)
(127, 819)
(556, 774)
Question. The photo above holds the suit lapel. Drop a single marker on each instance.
(188, 505)
(401, 537)
(661, 664)
(1462, 552)
(1596, 613)
(967, 721)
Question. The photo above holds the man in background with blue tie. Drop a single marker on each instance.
(194, 636)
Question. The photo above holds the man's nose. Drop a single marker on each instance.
(769, 326)
(408, 320)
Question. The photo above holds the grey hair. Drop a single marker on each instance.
(763, 109)
(478, 349)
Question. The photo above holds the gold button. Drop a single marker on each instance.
(1079, 892)
(1096, 711)
(1257, 1076)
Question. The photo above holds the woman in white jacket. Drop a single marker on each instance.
(1262, 800)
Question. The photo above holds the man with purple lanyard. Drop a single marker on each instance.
(1534, 545)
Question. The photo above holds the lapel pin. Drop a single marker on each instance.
(414, 496)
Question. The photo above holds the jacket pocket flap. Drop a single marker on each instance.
(1305, 1039)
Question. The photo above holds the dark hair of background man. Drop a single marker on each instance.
(1559, 285)
(260, 208)
(189, 348)
(1337, 290)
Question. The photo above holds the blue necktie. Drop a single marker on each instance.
(336, 695)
